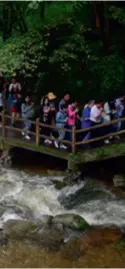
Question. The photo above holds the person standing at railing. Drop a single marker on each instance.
(72, 113)
(107, 111)
(65, 100)
(119, 103)
(51, 96)
(53, 110)
(114, 116)
(14, 88)
(86, 123)
(61, 120)
(18, 106)
(45, 118)
(13, 109)
(96, 119)
(27, 110)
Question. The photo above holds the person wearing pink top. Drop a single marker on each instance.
(72, 113)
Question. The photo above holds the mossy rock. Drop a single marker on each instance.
(119, 180)
(72, 221)
(83, 225)
(59, 184)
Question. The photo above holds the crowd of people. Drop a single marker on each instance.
(65, 114)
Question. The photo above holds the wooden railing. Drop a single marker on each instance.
(73, 144)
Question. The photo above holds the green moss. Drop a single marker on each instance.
(82, 224)
(59, 184)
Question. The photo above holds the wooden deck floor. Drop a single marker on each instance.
(15, 139)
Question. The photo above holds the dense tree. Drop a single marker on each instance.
(78, 46)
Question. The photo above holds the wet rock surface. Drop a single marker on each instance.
(50, 238)
(71, 220)
(51, 232)
(119, 180)
(102, 247)
(20, 228)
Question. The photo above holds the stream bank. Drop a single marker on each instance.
(101, 248)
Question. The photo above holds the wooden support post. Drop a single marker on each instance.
(74, 139)
(3, 124)
(37, 132)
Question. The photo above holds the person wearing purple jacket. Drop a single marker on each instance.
(86, 123)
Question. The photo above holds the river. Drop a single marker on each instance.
(26, 195)
(29, 193)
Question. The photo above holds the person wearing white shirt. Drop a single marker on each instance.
(95, 114)
(96, 119)
(15, 86)
(119, 103)
(106, 112)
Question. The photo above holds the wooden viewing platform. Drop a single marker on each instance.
(79, 152)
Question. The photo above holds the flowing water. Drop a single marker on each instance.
(29, 193)
(25, 195)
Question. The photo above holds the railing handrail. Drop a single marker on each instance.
(84, 142)
(68, 130)
(74, 132)
(37, 131)
(100, 125)
(41, 124)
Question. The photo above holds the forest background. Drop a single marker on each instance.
(75, 46)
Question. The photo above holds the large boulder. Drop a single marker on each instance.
(71, 221)
(72, 177)
(119, 180)
(20, 228)
(60, 184)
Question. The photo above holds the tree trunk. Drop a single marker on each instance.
(7, 20)
(97, 18)
(42, 9)
(107, 28)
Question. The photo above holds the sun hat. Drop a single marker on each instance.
(51, 96)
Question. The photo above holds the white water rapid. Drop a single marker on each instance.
(28, 196)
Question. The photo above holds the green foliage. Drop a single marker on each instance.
(22, 54)
(54, 46)
(118, 14)
(109, 72)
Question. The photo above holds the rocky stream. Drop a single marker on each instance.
(49, 218)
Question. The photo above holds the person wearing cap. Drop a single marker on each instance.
(51, 96)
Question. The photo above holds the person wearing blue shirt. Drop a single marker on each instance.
(86, 123)
(61, 120)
